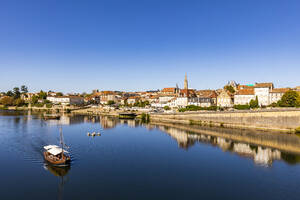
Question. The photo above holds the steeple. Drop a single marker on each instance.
(186, 82)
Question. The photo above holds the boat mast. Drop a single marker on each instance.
(61, 142)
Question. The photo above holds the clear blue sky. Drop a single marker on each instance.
(147, 44)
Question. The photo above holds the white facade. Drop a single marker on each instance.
(243, 99)
(76, 100)
(262, 95)
(165, 99)
(275, 97)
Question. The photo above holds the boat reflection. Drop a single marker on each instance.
(59, 172)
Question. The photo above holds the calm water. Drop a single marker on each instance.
(134, 161)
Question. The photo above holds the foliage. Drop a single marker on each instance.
(229, 88)
(49, 105)
(167, 108)
(19, 102)
(42, 95)
(242, 107)
(145, 118)
(17, 93)
(59, 94)
(9, 93)
(254, 103)
(297, 130)
(289, 99)
(196, 108)
(24, 89)
(141, 103)
(7, 101)
(34, 99)
(110, 102)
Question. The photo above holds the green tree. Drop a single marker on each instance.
(42, 95)
(9, 93)
(254, 103)
(7, 101)
(59, 94)
(24, 89)
(289, 99)
(34, 99)
(229, 88)
(16, 92)
(167, 108)
(19, 102)
(110, 102)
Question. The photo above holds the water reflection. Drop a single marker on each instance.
(60, 172)
(261, 154)
(262, 147)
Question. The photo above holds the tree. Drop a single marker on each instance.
(167, 108)
(19, 102)
(9, 93)
(24, 89)
(254, 103)
(289, 99)
(34, 99)
(59, 94)
(7, 101)
(229, 88)
(110, 102)
(16, 93)
(42, 95)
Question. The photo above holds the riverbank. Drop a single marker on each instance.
(284, 121)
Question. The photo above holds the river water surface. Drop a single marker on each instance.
(132, 160)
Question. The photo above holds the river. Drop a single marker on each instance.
(133, 160)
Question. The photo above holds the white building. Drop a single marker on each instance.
(276, 94)
(244, 96)
(64, 100)
(262, 91)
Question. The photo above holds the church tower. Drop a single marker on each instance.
(186, 83)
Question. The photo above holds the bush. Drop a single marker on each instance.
(254, 103)
(297, 130)
(167, 108)
(7, 101)
(196, 108)
(290, 99)
(19, 102)
(49, 105)
(110, 102)
(242, 107)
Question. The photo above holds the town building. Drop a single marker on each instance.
(208, 94)
(244, 96)
(276, 94)
(27, 97)
(225, 99)
(262, 91)
(66, 100)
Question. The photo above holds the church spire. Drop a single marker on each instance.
(186, 82)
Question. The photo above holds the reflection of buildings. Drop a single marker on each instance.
(182, 138)
(260, 155)
(107, 122)
(67, 120)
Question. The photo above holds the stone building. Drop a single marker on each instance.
(225, 99)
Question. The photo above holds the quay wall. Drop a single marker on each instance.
(286, 121)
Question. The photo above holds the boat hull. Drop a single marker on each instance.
(53, 160)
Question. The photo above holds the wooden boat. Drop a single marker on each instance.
(56, 155)
(53, 117)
